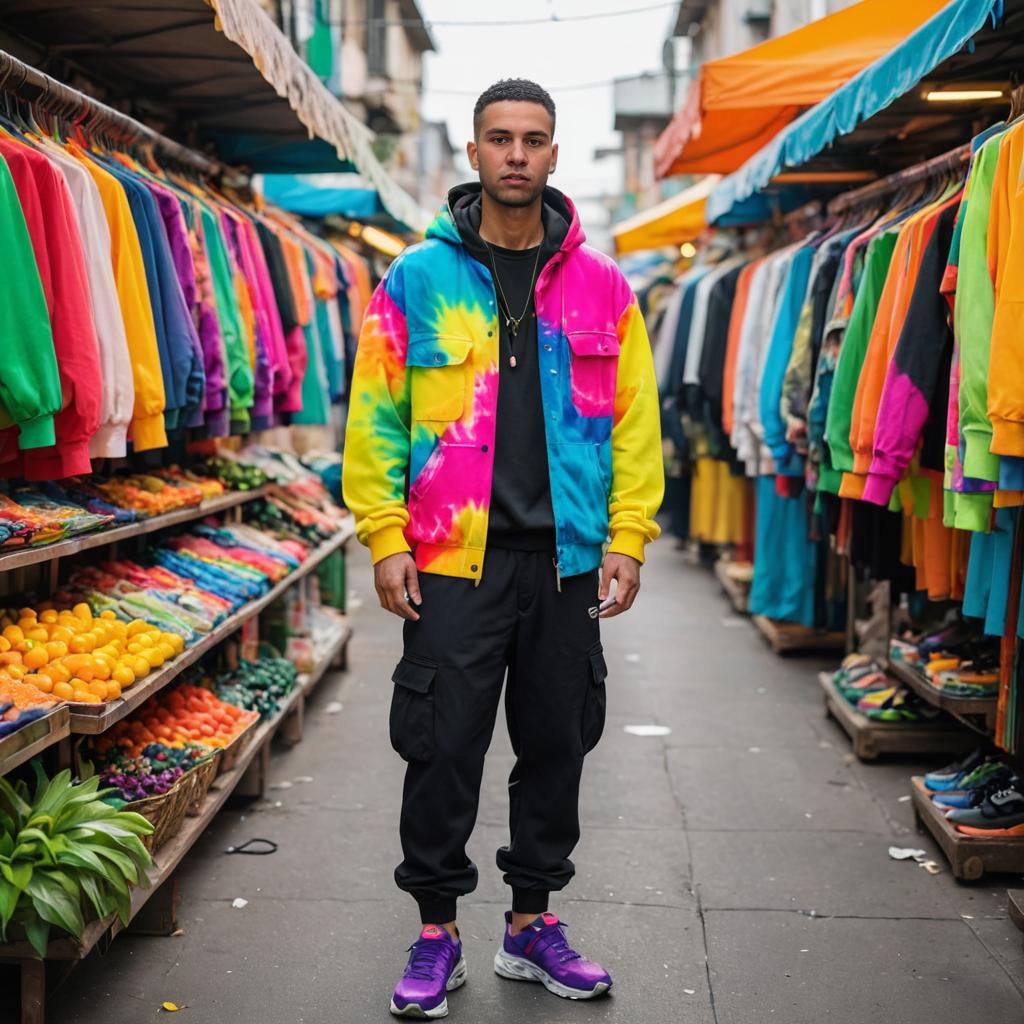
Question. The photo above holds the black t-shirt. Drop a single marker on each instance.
(521, 517)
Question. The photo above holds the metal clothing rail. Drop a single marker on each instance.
(950, 161)
(36, 86)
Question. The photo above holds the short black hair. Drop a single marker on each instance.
(517, 90)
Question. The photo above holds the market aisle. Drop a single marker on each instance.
(747, 835)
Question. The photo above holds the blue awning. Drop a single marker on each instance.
(868, 92)
(316, 195)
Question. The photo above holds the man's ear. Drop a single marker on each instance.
(554, 158)
(471, 152)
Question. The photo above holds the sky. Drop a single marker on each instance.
(557, 56)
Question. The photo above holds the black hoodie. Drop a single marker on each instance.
(521, 517)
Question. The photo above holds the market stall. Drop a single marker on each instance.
(840, 393)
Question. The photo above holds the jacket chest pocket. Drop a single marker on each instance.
(594, 361)
(440, 376)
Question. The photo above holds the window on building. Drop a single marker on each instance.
(376, 38)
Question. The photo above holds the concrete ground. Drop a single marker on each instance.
(735, 871)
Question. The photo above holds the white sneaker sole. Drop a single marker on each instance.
(457, 980)
(517, 969)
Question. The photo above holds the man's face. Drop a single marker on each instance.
(514, 152)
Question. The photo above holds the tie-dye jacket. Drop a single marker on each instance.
(419, 448)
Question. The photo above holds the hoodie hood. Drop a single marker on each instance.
(454, 218)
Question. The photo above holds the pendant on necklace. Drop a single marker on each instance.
(512, 361)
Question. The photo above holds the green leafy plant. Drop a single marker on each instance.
(64, 853)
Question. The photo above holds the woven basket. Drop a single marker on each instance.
(165, 812)
(230, 754)
(202, 778)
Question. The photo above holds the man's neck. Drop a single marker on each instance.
(511, 227)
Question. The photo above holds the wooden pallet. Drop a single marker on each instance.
(871, 739)
(978, 713)
(736, 590)
(969, 857)
(789, 637)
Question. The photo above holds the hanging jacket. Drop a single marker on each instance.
(424, 401)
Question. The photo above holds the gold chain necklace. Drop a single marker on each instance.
(511, 322)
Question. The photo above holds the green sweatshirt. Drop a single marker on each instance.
(29, 383)
(851, 360)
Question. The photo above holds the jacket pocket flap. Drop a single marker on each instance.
(597, 664)
(414, 675)
(437, 350)
(594, 343)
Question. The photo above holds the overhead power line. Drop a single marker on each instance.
(549, 19)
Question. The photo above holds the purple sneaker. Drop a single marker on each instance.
(436, 967)
(541, 952)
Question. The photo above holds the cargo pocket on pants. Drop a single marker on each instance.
(596, 700)
(412, 709)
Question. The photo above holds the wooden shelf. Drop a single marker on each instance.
(969, 856)
(736, 590)
(170, 855)
(1015, 904)
(90, 719)
(871, 738)
(33, 556)
(978, 713)
(34, 738)
(788, 637)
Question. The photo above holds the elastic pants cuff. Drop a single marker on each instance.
(436, 911)
(529, 901)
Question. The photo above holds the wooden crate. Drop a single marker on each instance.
(969, 857)
(789, 637)
(871, 738)
(736, 590)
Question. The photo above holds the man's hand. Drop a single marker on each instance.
(393, 578)
(626, 573)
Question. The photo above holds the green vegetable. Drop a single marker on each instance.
(64, 856)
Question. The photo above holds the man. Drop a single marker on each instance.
(503, 422)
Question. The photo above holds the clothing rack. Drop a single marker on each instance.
(36, 86)
(950, 161)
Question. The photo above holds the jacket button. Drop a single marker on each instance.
(483, 447)
(490, 334)
(473, 568)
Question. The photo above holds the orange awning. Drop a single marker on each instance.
(737, 104)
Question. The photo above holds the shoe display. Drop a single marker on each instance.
(541, 952)
(436, 967)
(953, 775)
(1001, 814)
(987, 778)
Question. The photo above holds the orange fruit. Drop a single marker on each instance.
(40, 634)
(123, 675)
(64, 690)
(49, 616)
(138, 665)
(113, 690)
(143, 640)
(56, 649)
(26, 613)
(102, 668)
(166, 650)
(87, 697)
(16, 671)
(98, 687)
(35, 658)
(82, 611)
(81, 644)
(5, 644)
(154, 656)
(14, 634)
(176, 642)
(108, 613)
(40, 682)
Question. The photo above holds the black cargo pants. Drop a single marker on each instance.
(447, 689)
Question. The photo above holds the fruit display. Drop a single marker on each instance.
(258, 685)
(152, 773)
(66, 856)
(176, 718)
(72, 655)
